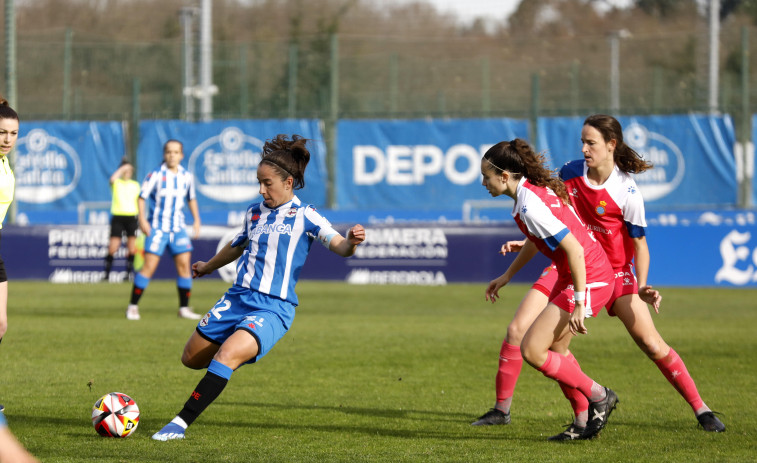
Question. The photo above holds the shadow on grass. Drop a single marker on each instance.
(453, 425)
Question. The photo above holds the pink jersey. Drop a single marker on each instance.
(546, 220)
(613, 211)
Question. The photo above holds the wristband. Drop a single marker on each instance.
(579, 296)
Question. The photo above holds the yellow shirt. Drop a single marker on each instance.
(7, 186)
(125, 194)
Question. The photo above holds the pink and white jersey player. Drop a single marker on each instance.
(613, 211)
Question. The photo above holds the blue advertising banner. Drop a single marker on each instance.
(224, 156)
(692, 154)
(416, 164)
(726, 249)
(60, 165)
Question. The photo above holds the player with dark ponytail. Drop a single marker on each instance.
(543, 212)
(257, 311)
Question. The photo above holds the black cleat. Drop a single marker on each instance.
(709, 422)
(599, 412)
(491, 417)
(572, 432)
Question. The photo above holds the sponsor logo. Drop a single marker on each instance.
(47, 168)
(226, 166)
(403, 243)
(410, 165)
(392, 277)
(268, 228)
(668, 161)
(736, 255)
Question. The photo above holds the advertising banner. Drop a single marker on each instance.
(60, 165)
(429, 254)
(692, 155)
(408, 255)
(725, 243)
(416, 164)
(224, 156)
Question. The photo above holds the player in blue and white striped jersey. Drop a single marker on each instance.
(270, 250)
(161, 203)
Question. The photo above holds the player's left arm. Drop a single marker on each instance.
(345, 247)
(192, 204)
(577, 263)
(641, 264)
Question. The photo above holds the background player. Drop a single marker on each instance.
(259, 308)
(123, 221)
(168, 189)
(608, 200)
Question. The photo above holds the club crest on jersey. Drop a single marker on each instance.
(523, 210)
(292, 212)
(255, 217)
(602, 208)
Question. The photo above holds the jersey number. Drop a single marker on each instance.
(220, 306)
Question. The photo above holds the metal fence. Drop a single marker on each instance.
(63, 77)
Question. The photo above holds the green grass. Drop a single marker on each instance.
(370, 374)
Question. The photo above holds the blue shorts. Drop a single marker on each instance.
(265, 317)
(177, 242)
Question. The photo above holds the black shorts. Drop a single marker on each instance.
(121, 225)
(3, 276)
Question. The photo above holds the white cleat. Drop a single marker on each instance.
(186, 312)
(132, 312)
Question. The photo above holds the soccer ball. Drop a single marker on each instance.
(115, 415)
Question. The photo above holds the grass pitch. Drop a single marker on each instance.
(367, 374)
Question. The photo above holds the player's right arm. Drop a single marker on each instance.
(527, 252)
(144, 225)
(226, 255)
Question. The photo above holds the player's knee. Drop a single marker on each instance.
(515, 333)
(652, 345)
(192, 362)
(531, 354)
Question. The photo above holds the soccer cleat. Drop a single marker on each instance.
(2, 408)
(599, 412)
(132, 312)
(493, 416)
(709, 422)
(186, 312)
(572, 432)
(171, 431)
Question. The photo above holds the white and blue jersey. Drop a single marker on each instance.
(167, 193)
(277, 242)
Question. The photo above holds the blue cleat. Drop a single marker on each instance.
(170, 431)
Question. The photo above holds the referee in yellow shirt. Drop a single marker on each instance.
(123, 222)
(8, 137)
